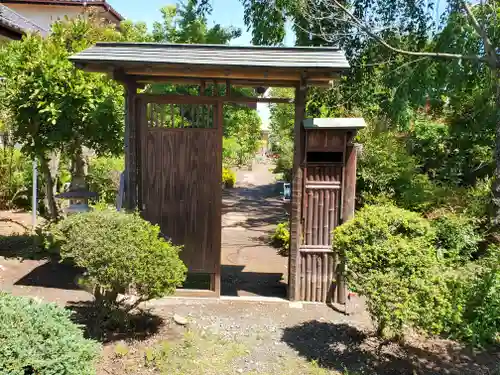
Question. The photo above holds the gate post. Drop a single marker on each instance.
(131, 145)
(297, 181)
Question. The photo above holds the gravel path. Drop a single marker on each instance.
(283, 340)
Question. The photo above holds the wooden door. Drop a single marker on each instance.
(181, 177)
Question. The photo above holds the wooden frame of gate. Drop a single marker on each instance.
(138, 64)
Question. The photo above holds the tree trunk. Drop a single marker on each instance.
(49, 188)
(496, 180)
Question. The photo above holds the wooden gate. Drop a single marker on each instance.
(180, 184)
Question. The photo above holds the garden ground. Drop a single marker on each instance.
(233, 336)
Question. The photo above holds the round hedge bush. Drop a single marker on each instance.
(40, 338)
(390, 258)
(120, 252)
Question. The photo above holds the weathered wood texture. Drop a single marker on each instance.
(322, 195)
(181, 175)
(296, 212)
(321, 140)
(131, 145)
(348, 207)
(317, 270)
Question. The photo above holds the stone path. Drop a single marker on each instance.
(251, 267)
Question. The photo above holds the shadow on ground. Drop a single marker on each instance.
(268, 209)
(114, 325)
(343, 347)
(52, 274)
(233, 279)
(21, 246)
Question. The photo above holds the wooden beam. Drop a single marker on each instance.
(296, 214)
(188, 80)
(203, 99)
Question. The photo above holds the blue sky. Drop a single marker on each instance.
(226, 13)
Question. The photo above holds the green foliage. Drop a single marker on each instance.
(228, 178)
(390, 259)
(456, 237)
(187, 23)
(282, 119)
(39, 338)
(103, 176)
(243, 124)
(120, 252)
(280, 239)
(230, 151)
(15, 178)
(56, 106)
(481, 316)
(284, 164)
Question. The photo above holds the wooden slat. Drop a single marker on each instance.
(321, 202)
(182, 192)
(314, 276)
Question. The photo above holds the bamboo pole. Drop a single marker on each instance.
(321, 201)
(326, 277)
(315, 218)
(302, 261)
(310, 207)
(313, 277)
(319, 277)
(327, 223)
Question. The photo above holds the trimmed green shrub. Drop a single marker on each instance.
(390, 258)
(120, 252)
(280, 239)
(228, 178)
(39, 338)
(103, 177)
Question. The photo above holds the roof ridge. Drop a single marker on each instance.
(104, 3)
(20, 16)
(228, 46)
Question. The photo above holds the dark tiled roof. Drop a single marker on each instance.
(102, 3)
(216, 55)
(17, 23)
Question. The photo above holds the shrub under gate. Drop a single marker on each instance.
(120, 252)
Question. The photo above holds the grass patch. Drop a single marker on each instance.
(196, 353)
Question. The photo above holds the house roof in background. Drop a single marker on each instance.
(82, 3)
(17, 23)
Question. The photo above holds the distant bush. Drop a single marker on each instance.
(103, 177)
(15, 178)
(231, 150)
(390, 258)
(39, 338)
(284, 163)
(456, 237)
(280, 239)
(120, 252)
(228, 178)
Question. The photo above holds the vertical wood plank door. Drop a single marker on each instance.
(181, 168)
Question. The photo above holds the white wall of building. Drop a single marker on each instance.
(46, 15)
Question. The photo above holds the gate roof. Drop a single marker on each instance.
(204, 61)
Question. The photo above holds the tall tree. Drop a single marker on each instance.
(405, 54)
(56, 107)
